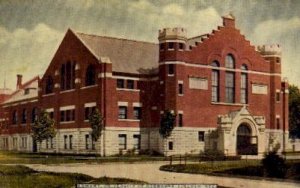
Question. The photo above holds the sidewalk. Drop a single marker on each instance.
(149, 172)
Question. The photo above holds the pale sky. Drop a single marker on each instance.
(31, 30)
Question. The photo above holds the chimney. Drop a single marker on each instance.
(229, 20)
(19, 81)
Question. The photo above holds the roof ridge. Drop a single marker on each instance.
(118, 38)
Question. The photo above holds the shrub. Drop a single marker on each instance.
(274, 165)
(212, 155)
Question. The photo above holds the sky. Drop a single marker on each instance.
(31, 30)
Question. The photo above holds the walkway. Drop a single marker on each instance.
(150, 173)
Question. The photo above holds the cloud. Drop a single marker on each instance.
(27, 52)
(285, 32)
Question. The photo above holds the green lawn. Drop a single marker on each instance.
(32, 158)
(21, 176)
(239, 168)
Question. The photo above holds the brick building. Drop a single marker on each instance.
(227, 95)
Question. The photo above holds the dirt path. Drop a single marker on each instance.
(150, 173)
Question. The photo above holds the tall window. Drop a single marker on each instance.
(65, 141)
(170, 69)
(137, 141)
(244, 85)
(122, 112)
(67, 75)
(88, 111)
(229, 62)
(49, 85)
(34, 115)
(90, 76)
(229, 87)
(70, 141)
(24, 116)
(14, 117)
(180, 89)
(137, 112)
(122, 142)
(180, 120)
(215, 83)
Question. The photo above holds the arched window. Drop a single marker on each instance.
(244, 85)
(14, 117)
(67, 73)
(229, 62)
(34, 114)
(90, 76)
(215, 82)
(244, 67)
(49, 85)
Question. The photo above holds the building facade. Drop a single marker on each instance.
(227, 95)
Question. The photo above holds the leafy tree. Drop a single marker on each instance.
(167, 124)
(43, 127)
(96, 122)
(294, 111)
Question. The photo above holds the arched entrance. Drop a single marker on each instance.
(246, 143)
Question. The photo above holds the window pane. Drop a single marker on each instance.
(122, 112)
(120, 83)
(229, 90)
(130, 84)
(215, 86)
(171, 69)
(229, 61)
(137, 112)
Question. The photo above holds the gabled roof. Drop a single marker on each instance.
(19, 94)
(127, 56)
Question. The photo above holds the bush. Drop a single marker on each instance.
(211, 155)
(274, 165)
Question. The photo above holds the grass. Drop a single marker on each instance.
(21, 176)
(238, 168)
(32, 158)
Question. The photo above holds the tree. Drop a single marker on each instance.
(43, 127)
(294, 111)
(167, 124)
(96, 122)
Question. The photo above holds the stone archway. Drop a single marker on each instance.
(246, 143)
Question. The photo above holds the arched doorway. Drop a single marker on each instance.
(246, 142)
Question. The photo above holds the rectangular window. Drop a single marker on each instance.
(137, 112)
(244, 89)
(24, 116)
(201, 136)
(120, 83)
(70, 141)
(51, 115)
(181, 46)
(88, 111)
(67, 115)
(137, 141)
(215, 86)
(87, 140)
(65, 141)
(277, 123)
(170, 69)
(170, 145)
(122, 142)
(180, 120)
(229, 87)
(130, 84)
(180, 89)
(170, 45)
(122, 112)
(24, 142)
(277, 96)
